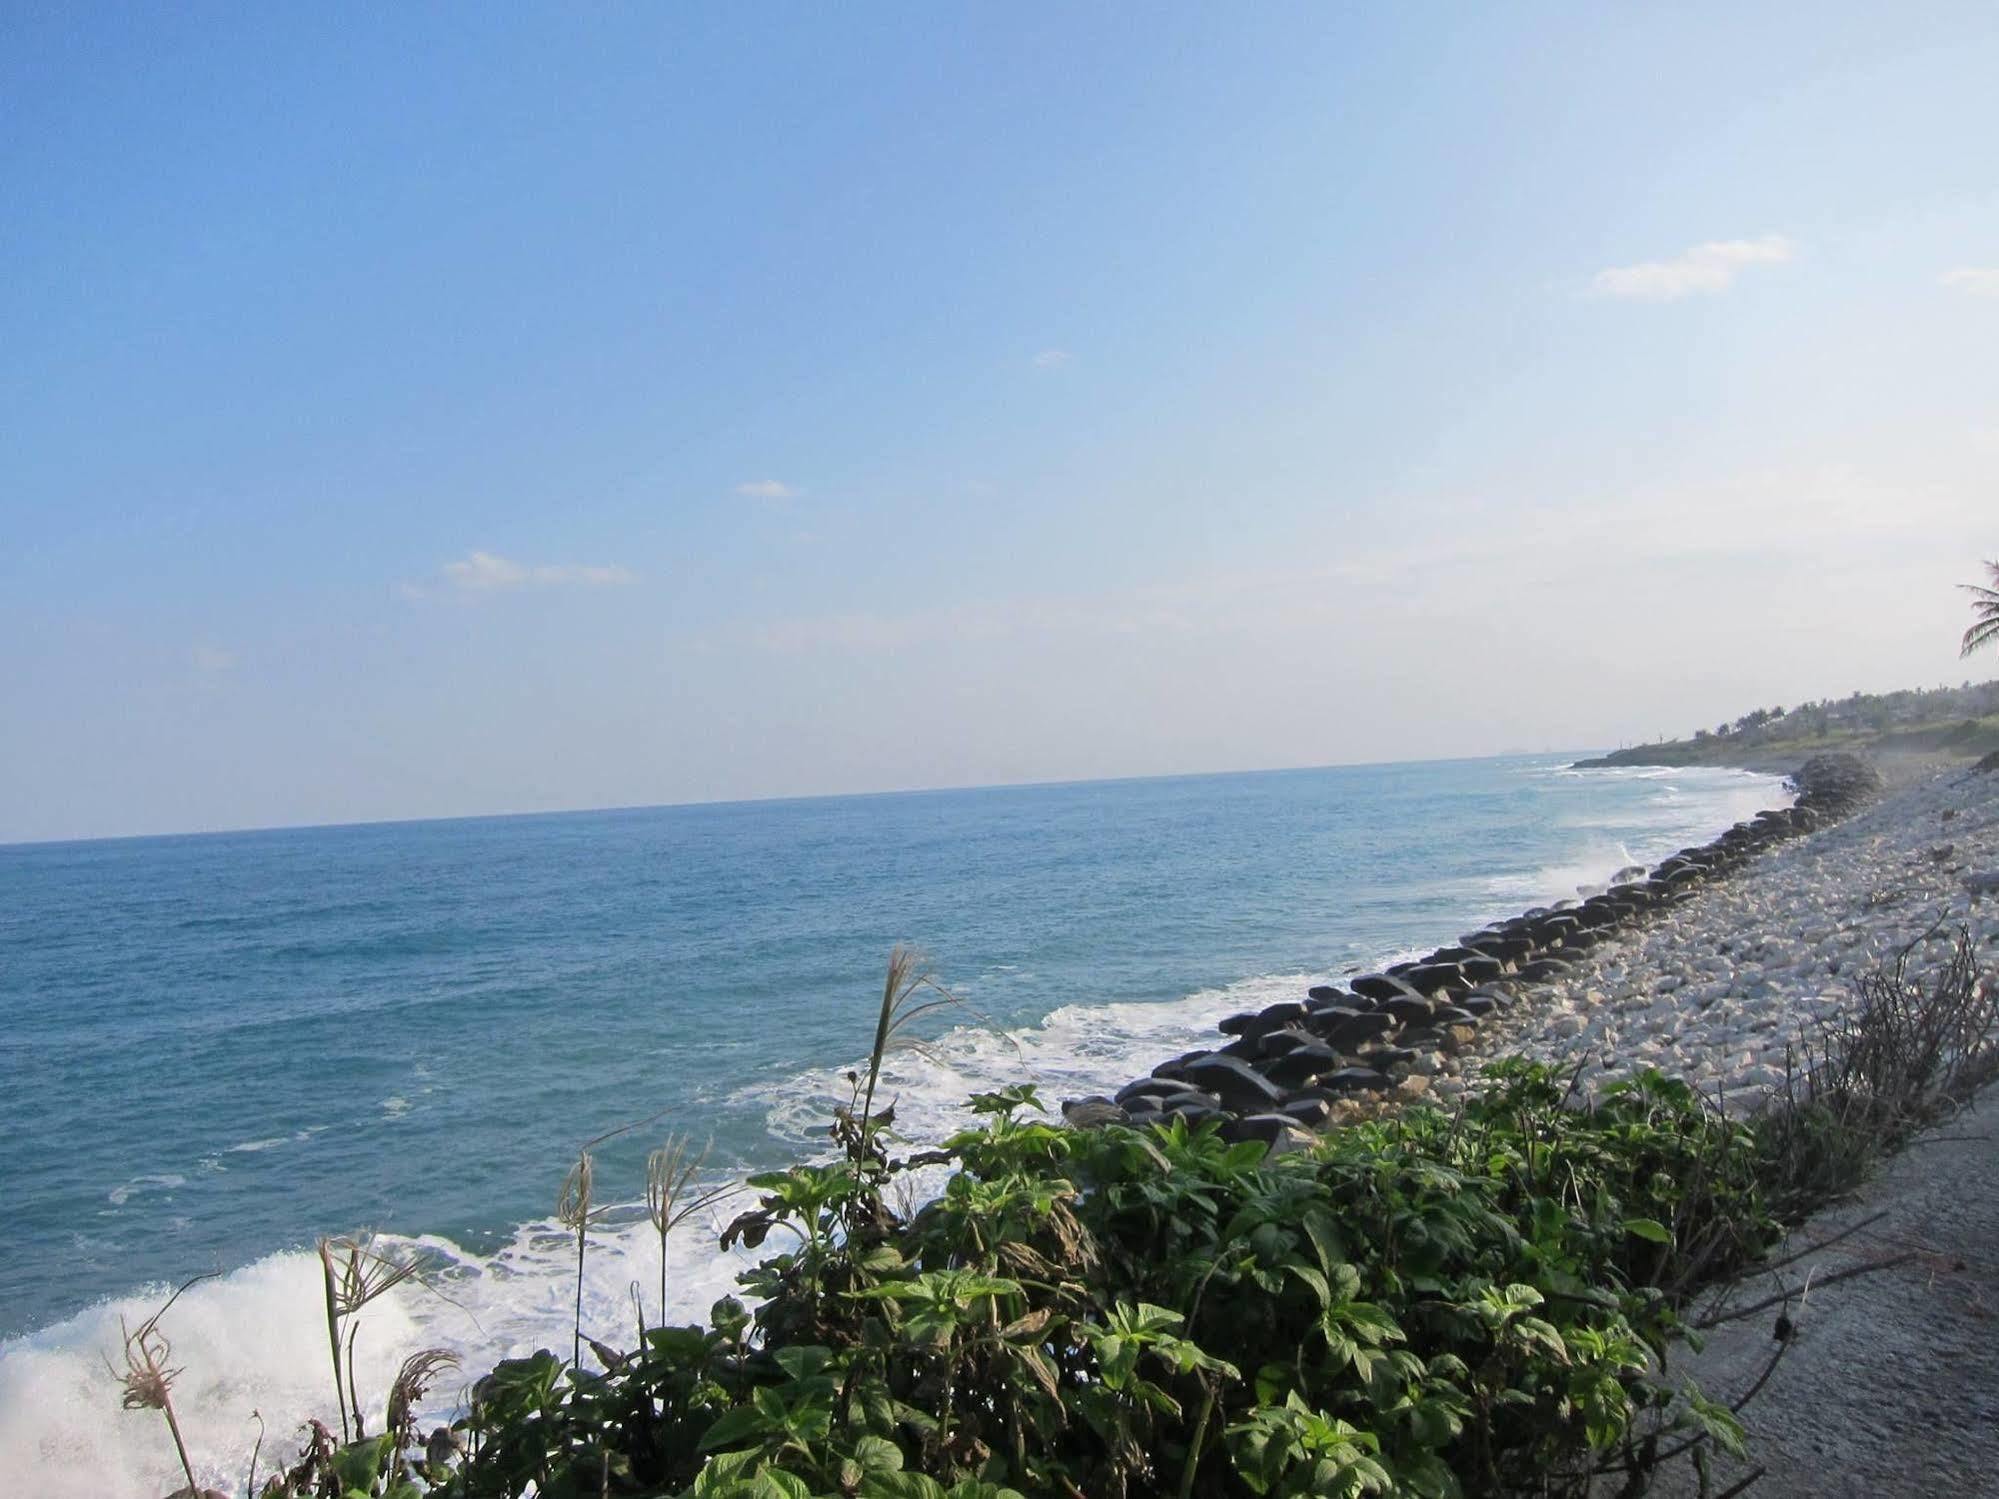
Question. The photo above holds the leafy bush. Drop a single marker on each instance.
(1428, 1305)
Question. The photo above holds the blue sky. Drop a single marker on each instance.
(415, 412)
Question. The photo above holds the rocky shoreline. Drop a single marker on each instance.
(1708, 966)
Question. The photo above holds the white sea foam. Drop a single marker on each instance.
(251, 1341)
(157, 1181)
(255, 1341)
(1075, 1051)
(1690, 803)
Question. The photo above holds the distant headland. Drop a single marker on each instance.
(1946, 723)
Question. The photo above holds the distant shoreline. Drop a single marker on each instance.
(1662, 756)
(1938, 746)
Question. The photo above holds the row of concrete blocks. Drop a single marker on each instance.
(1284, 1068)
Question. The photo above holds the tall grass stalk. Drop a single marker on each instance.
(670, 1172)
(417, 1374)
(575, 1209)
(148, 1381)
(355, 1274)
(909, 991)
(572, 1207)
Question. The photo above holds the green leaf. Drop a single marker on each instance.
(1312, 1278)
(878, 1455)
(1649, 1229)
(900, 1486)
(880, 1260)
(356, 1465)
(724, 1476)
(1273, 1382)
(1318, 1226)
(731, 1427)
(972, 1288)
(803, 1362)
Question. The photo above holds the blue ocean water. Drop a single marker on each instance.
(214, 1048)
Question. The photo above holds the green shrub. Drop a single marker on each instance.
(1429, 1305)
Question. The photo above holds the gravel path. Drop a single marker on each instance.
(1890, 1385)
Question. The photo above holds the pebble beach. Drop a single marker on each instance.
(1720, 991)
(1724, 966)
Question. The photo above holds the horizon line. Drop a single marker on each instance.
(750, 801)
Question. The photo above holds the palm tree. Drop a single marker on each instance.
(1985, 604)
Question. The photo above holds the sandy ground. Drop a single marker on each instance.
(1890, 1384)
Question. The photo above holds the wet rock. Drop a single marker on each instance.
(1381, 988)
(1193, 1113)
(1088, 1113)
(1480, 969)
(1508, 947)
(1239, 1086)
(1437, 980)
(1160, 1088)
(1382, 1058)
(1310, 1112)
(1173, 1068)
(1277, 1043)
(1296, 1068)
(1246, 1024)
(1350, 1031)
(1410, 1011)
(1268, 1128)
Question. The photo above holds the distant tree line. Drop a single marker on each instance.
(1869, 712)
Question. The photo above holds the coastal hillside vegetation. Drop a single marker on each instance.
(1958, 721)
(1429, 1304)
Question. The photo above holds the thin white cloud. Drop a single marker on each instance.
(767, 489)
(1977, 281)
(212, 659)
(1702, 270)
(1053, 359)
(483, 572)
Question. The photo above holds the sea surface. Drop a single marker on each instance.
(215, 1048)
